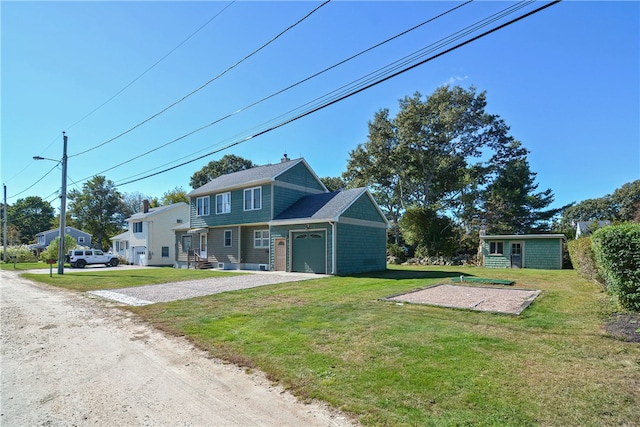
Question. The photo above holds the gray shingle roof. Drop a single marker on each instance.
(154, 211)
(257, 175)
(321, 207)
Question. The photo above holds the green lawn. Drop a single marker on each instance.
(91, 279)
(389, 364)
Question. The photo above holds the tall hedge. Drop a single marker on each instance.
(617, 253)
(583, 259)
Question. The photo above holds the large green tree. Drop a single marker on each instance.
(177, 195)
(439, 153)
(227, 164)
(98, 209)
(30, 216)
(510, 203)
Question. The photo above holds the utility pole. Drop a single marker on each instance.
(63, 206)
(4, 234)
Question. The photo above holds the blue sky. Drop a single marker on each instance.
(566, 80)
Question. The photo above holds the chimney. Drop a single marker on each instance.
(285, 158)
(145, 206)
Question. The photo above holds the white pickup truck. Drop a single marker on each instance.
(79, 258)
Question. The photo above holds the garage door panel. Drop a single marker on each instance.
(309, 252)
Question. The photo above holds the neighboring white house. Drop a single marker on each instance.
(150, 239)
(585, 228)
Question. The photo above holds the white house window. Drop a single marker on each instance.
(165, 252)
(253, 198)
(223, 203)
(496, 248)
(261, 239)
(80, 239)
(202, 206)
(179, 221)
(227, 238)
(137, 227)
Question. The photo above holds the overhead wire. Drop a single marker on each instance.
(206, 83)
(373, 75)
(122, 90)
(152, 66)
(353, 92)
(253, 104)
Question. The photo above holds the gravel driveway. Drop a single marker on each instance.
(144, 295)
(69, 360)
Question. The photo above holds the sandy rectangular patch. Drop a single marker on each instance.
(511, 301)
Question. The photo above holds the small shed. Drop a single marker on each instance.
(543, 251)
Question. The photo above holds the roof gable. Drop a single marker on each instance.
(155, 211)
(323, 207)
(248, 177)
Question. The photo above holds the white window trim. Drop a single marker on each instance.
(496, 248)
(244, 199)
(135, 226)
(258, 242)
(227, 206)
(205, 209)
(224, 238)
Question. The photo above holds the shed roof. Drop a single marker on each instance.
(522, 236)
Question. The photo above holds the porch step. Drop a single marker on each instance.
(203, 265)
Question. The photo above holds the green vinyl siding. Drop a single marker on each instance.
(300, 175)
(250, 254)
(360, 249)
(541, 253)
(363, 208)
(237, 215)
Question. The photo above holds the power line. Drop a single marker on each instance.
(253, 104)
(125, 88)
(152, 66)
(377, 73)
(205, 84)
(353, 92)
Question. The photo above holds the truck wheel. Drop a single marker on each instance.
(113, 262)
(81, 263)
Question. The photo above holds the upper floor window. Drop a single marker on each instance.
(137, 227)
(223, 203)
(261, 239)
(202, 206)
(253, 198)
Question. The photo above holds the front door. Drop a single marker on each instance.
(203, 245)
(281, 254)
(516, 255)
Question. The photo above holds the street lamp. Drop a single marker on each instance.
(63, 202)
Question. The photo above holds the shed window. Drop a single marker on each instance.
(496, 248)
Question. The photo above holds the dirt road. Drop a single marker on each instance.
(70, 359)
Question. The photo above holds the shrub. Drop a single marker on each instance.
(396, 251)
(52, 250)
(21, 253)
(583, 259)
(617, 253)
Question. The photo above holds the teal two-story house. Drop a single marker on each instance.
(281, 217)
